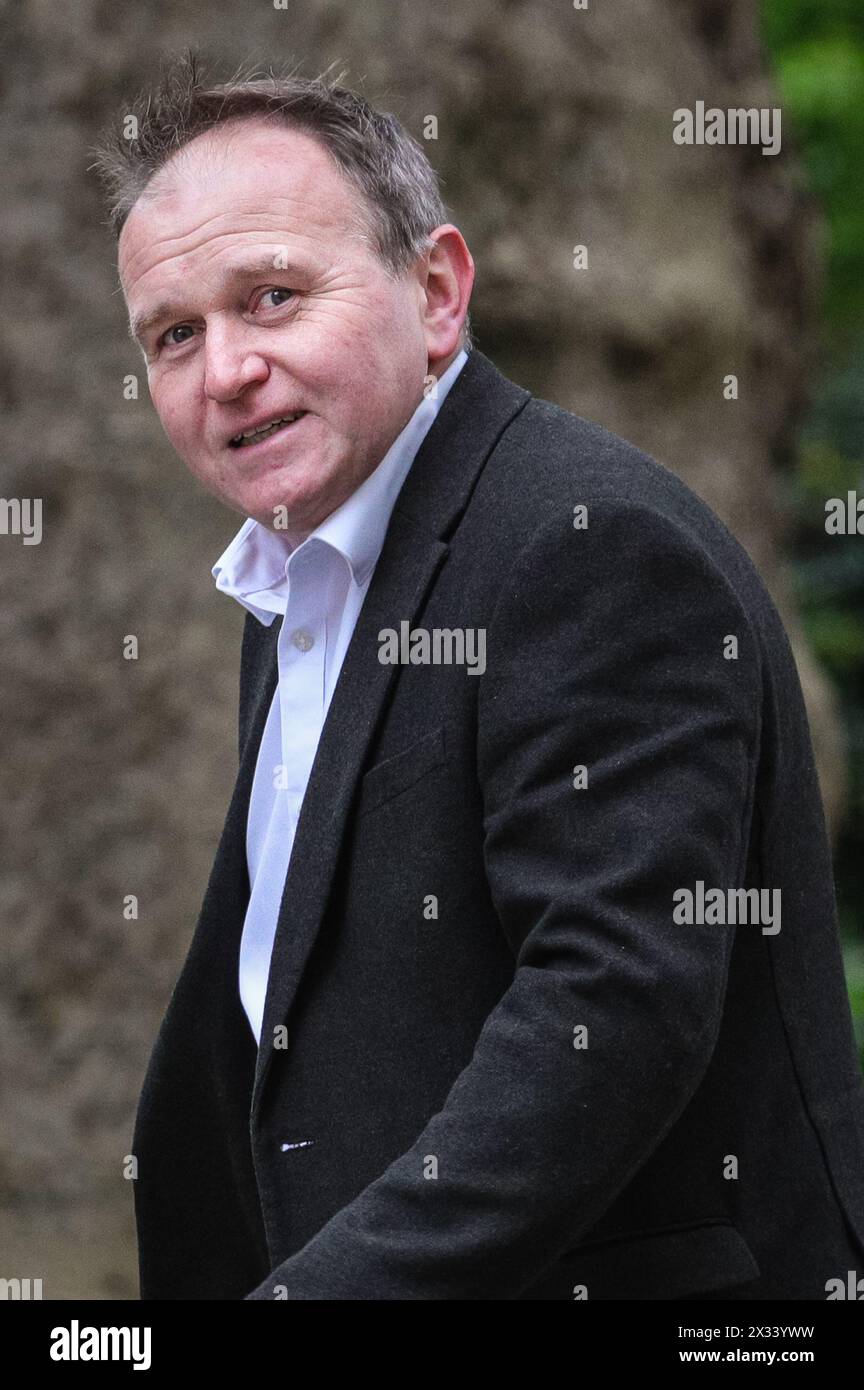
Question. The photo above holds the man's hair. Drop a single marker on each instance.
(400, 202)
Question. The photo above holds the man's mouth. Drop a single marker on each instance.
(247, 437)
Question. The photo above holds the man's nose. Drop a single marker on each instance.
(231, 362)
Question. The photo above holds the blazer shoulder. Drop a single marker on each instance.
(549, 461)
(564, 450)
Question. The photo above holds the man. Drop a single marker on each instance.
(517, 975)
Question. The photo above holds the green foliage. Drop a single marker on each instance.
(818, 55)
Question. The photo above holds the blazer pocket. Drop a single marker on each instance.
(669, 1262)
(401, 770)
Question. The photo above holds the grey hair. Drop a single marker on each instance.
(400, 201)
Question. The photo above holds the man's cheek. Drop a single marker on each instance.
(175, 420)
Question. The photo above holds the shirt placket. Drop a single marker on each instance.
(302, 649)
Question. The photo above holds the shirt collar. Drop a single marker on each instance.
(253, 567)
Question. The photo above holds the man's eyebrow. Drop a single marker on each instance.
(276, 264)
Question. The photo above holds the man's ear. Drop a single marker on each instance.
(449, 279)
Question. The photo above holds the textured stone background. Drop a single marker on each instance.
(554, 129)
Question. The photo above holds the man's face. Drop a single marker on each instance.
(267, 303)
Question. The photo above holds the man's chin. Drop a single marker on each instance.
(277, 520)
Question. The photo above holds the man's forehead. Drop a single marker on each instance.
(240, 150)
(247, 168)
(248, 182)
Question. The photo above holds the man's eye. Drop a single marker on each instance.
(278, 289)
(178, 328)
(169, 341)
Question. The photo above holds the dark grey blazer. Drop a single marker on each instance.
(550, 1088)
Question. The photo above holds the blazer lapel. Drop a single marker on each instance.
(477, 408)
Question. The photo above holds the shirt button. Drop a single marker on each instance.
(302, 639)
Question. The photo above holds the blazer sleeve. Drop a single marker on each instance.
(620, 649)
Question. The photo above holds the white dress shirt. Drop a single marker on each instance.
(319, 587)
